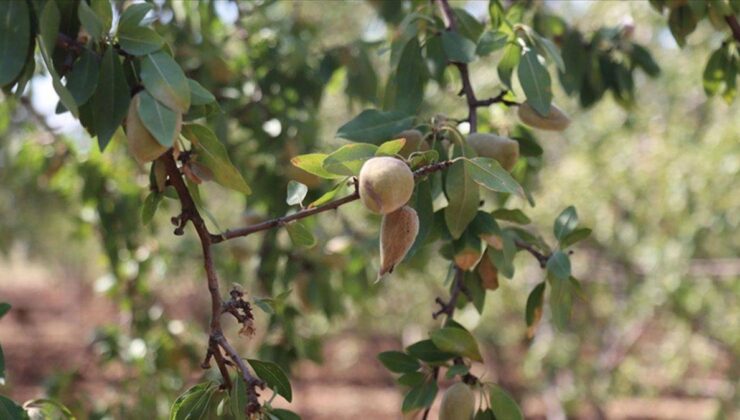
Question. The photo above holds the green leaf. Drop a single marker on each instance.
(548, 49)
(15, 39)
(165, 80)
(512, 215)
(348, 159)
(283, 414)
(424, 206)
(4, 308)
(463, 196)
(411, 78)
(458, 341)
(575, 56)
(296, 193)
(561, 300)
(49, 26)
(212, 153)
(313, 163)
(642, 58)
(486, 414)
(427, 351)
(390, 148)
(489, 174)
(104, 12)
(715, 73)
(139, 40)
(559, 265)
(273, 376)
(238, 398)
(472, 282)
(83, 79)
(10, 410)
(90, 21)
(159, 120)
(682, 22)
(134, 14)
(496, 13)
(467, 24)
(150, 206)
(503, 405)
(457, 48)
(456, 370)
(411, 379)
(193, 403)
(300, 235)
(328, 196)
(534, 303)
(48, 409)
(490, 42)
(398, 362)
(375, 126)
(535, 81)
(420, 396)
(575, 236)
(509, 61)
(199, 95)
(419, 159)
(111, 99)
(565, 223)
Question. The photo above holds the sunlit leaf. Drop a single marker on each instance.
(348, 159)
(165, 80)
(296, 193)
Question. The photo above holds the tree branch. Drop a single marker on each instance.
(282, 221)
(467, 88)
(189, 212)
(734, 26)
(541, 258)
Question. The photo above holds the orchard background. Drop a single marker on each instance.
(615, 240)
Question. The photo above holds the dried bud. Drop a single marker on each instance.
(503, 149)
(397, 233)
(140, 142)
(488, 273)
(555, 120)
(458, 403)
(386, 184)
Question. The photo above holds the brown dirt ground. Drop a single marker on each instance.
(52, 321)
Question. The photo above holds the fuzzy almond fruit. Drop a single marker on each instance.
(555, 120)
(414, 142)
(458, 403)
(503, 149)
(397, 233)
(140, 142)
(386, 184)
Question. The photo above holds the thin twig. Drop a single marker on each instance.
(541, 258)
(282, 221)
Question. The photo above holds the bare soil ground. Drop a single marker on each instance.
(52, 320)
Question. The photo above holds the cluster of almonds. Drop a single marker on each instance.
(386, 183)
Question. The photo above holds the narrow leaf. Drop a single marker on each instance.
(535, 81)
(375, 126)
(489, 174)
(111, 99)
(463, 196)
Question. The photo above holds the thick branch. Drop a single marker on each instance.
(281, 221)
(189, 212)
(734, 26)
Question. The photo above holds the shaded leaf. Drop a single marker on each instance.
(559, 265)
(150, 206)
(503, 405)
(458, 341)
(238, 398)
(457, 48)
(398, 362)
(374, 126)
(83, 78)
(212, 153)
(15, 39)
(575, 236)
(111, 99)
(463, 196)
(411, 78)
(490, 42)
(90, 21)
(535, 81)
(4, 308)
(561, 300)
(547, 48)
(193, 402)
(165, 80)
(420, 396)
(300, 235)
(10, 410)
(427, 351)
(273, 376)
(198, 94)
(134, 14)
(489, 174)
(283, 414)
(512, 215)
(49, 27)
(159, 120)
(138, 40)
(565, 223)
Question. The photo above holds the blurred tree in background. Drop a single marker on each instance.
(649, 162)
